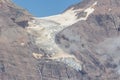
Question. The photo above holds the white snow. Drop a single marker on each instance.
(64, 19)
(69, 17)
(89, 11)
(37, 56)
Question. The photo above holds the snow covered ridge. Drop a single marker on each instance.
(69, 17)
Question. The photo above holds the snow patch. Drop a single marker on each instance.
(22, 44)
(89, 11)
(37, 56)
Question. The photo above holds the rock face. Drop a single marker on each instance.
(82, 43)
(16, 62)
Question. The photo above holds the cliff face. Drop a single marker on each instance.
(82, 43)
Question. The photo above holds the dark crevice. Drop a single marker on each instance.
(118, 28)
(23, 24)
(82, 72)
(2, 67)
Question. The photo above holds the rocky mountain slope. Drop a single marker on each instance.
(82, 43)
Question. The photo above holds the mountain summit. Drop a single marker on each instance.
(82, 43)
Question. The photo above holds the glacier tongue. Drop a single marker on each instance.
(44, 32)
(45, 29)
